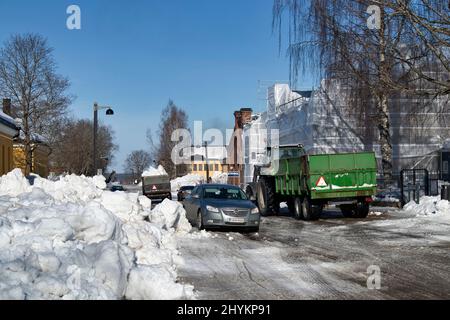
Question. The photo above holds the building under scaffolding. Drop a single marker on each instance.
(325, 121)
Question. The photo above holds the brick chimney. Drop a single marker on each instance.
(246, 115)
(242, 117)
(7, 106)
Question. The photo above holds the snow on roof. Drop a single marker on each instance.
(8, 120)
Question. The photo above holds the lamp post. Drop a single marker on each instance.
(207, 162)
(109, 112)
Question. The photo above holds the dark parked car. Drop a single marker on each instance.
(115, 188)
(214, 206)
(184, 192)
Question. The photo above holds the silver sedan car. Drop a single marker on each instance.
(212, 206)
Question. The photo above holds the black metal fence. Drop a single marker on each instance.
(411, 184)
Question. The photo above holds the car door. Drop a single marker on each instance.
(187, 203)
(196, 203)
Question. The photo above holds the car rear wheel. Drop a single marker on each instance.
(200, 221)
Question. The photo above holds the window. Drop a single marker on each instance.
(195, 167)
(200, 167)
(195, 191)
(216, 167)
(224, 193)
(211, 167)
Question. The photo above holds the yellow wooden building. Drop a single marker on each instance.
(199, 167)
(8, 131)
(39, 160)
(216, 161)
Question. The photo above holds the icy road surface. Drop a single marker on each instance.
(327, 259)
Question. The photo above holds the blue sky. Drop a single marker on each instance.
(206, 55)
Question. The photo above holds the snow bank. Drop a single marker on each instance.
(221, 178)
(151, 172)
(429, 206)
(188, 180)
(70, 239)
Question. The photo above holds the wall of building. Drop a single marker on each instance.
(199, 168)
(327, 123)
(40, 159)
(6, 154)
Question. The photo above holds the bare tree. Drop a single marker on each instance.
(72, 150)
(337, 39)
(172, 118)
(137, 162)
(28, 76)
(428, 26)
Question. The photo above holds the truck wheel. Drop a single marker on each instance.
(297, 208)
(266, 198)
(310, 212)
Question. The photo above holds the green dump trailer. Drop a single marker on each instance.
(309, 182)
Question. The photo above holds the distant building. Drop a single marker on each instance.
(8, 130)
(216, 161)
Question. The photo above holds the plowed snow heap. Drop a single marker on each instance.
(70, 239)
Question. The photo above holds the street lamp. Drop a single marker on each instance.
(109, 112)
(207, 162)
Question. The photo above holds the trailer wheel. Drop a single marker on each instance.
(291, 205)
(266, 198)
(311, 212)
(362, 210)
(348, 211)
(297, 202)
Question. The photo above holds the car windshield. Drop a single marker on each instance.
(224, 193)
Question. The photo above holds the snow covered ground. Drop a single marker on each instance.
(70, 239)
(327, 259)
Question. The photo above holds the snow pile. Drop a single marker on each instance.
(188, 180)
(429, 206)
(221, 178)
(71, 240)
(151, 172)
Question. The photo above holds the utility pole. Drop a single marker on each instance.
(94, 160)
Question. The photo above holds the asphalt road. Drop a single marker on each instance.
(328, 259)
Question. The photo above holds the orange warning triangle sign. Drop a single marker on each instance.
(321, 182)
